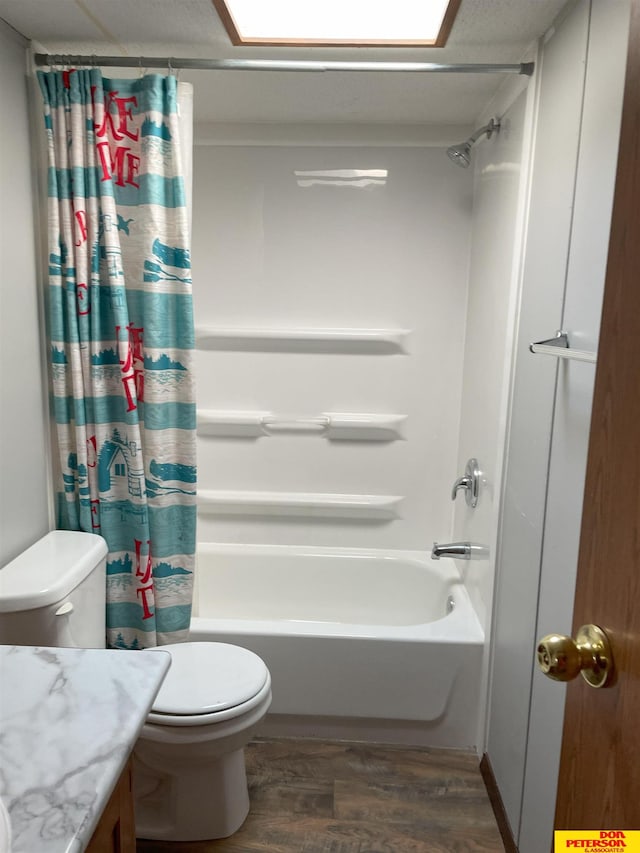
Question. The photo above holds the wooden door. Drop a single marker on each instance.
(599, 783)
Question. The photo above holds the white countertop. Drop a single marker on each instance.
(68, 720)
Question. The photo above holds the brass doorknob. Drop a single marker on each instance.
(562, 658)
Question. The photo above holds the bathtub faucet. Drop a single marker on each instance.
(460, 551)
(456, 550)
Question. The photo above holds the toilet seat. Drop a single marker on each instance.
(209, 683)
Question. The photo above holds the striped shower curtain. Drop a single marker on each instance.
(120, 326)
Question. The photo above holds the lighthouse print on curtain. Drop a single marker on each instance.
(121, 341)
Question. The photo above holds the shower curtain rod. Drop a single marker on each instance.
(175, 63)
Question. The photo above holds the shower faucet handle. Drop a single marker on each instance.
(470, 482)
(461, 483)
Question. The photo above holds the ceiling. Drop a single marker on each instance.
(485, 31)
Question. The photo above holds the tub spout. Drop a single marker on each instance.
(460, 551)
(456, 550)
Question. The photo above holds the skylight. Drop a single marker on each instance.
(338, 22)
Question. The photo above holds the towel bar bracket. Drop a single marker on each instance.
(559, 347)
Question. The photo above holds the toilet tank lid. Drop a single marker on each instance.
(49, 570)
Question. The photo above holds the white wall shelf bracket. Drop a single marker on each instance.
(559, 347)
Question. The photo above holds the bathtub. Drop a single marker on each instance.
(381, 645)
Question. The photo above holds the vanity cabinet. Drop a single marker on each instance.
(116, 831)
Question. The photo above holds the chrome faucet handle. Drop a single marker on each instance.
(470, 482)
(460, 483)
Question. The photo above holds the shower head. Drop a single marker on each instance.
(461, 153)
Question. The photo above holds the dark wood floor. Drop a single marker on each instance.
(311, 796)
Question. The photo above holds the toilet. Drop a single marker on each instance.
(189, 775)
(189, 780)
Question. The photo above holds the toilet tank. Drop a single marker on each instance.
(53, 594)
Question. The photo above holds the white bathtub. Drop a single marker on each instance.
(376, 644)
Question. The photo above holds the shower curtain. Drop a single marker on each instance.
(120, 327)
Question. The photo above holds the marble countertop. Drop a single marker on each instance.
(68, 720)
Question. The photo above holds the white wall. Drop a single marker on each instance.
(553, 181)
(581, 69)
(24, 480)
(269, 252)
(595, 179)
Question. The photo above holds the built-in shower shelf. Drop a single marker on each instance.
(334, 426)
(357, 341)
(306, 504)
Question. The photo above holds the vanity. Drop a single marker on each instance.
(69, 719)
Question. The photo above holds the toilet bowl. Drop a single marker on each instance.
(189, 780)
(189, 775)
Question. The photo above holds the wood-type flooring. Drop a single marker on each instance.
(310, 796)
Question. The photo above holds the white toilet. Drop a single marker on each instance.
(189, 779)
(189, 773)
